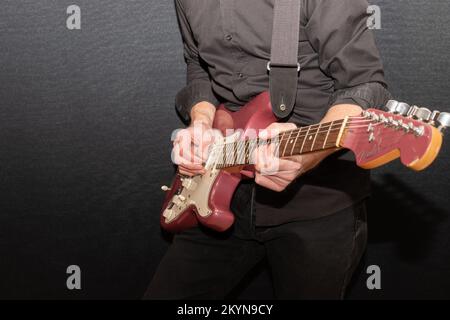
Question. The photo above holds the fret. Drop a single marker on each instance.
(341, 131)
(235, 151)
(239, 153)
(246, 155)
(295, 142)
(224, 154)
(304, 139)
(309, 139)
(242, 152)
(228, 157)
(286, 143)
(250, 150)
(315, 138)
(229, 154)
(252, 147)
(328, 133)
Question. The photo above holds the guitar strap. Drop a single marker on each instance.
(284, 67)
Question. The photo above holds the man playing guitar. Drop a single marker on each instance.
(305, 214)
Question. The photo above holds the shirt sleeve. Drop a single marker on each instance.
(338, 32)
(198, 86)
(367, 95)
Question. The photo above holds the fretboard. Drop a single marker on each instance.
(290, 143)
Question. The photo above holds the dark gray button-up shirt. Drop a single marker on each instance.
(227, 46)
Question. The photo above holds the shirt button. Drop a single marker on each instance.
(240, 75)
(229, 37)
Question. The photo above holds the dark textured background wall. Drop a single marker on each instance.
(85, 121)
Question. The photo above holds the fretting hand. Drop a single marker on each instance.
(275, 173)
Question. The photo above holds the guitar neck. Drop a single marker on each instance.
(290, 143)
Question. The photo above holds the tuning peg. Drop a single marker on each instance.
(396, 107)
(423, 114)
(412, 111)
(443, 120)
(391, 106)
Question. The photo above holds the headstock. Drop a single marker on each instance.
(414, 134)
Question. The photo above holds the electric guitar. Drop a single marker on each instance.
(376, 137)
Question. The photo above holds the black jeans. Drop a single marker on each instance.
(312, 259)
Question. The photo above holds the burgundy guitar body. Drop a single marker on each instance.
(256, 115)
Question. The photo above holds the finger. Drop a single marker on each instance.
(218, 136)
(287, 176)
(196, 165)
(183, 135)
(271, 182)
(287, 165)
(191, 169)
(189, 173)
(260, 158)
(202, 134)
(272, 165)
(178, 155)
(183, 142)
(204, 150)
(191, 161)
(266, 162)
(188, 153)
(187, 163)
(203, 146)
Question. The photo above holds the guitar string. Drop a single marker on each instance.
(244, 144)
(237, 152)
(389, 134)
(239, 146)
(300, 131)
(350, 125)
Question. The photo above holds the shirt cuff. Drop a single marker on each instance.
(192, 94)
(367, 95)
